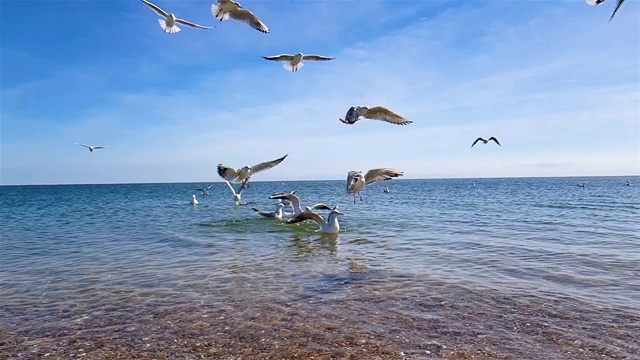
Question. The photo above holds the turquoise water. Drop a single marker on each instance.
(505, 268)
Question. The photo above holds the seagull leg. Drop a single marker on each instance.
(360, 197)
(354, 199)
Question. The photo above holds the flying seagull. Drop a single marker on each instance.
(598, 2)
(294, 62)
(226, 9)
(356, 181)
(91, 148)
(331, 226)
(237, 196)
(295, 203)
(168, 24)
(205, 191)
(244, 174)
(486, 141)
(375, 113)
(272, 214)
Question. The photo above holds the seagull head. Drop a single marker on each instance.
(172, 16)
(238, 4)
(280, 205)
(236, 197)
(336, 212)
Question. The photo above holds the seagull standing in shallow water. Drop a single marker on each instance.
(168, 24)
(91, 148)
(277, 215)
(355, 113)
(331, 226)
(486, 141)
(243, 175)
(294, 62)
(356, 181)
(194, 201)
(226, 9)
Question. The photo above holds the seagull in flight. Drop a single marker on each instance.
(277, 215)
(91, 148)
(486, 141)
(226, 9)
(598, 2)
(356, 181)
(355, 113)
(295, 203)
(330, 226)
(294, 62)
(237, 197)
(243, 175)
(205, 191)
(168, 24)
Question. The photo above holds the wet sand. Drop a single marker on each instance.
(404, 319)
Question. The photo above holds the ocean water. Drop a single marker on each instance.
(436, 269)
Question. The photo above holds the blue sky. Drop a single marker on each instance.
(554, 80)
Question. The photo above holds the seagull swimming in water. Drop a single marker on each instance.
(168, 24)
(236, 195)
(205, 191)
(91, 148)
(194, 201)
(226, 9)
(277, 215)
(330, 226)
(486, 141)
(355, 113)
(244, 174)
(295, 203)
(356, 181)
(294, 62)
(598, 2)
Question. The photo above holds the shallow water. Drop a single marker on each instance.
(508, 268)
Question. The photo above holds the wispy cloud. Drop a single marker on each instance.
(459, 71)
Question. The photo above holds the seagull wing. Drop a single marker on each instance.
(494, 139)
(616, 9)
(351, 178)
(156, 8)
(594, 2)
(248, 17)
(316, 58)
(321, 207)
(384, 114)
(85, 145)
(478, 139)
(194, 25)
(281, 57)
(293, 199)
(227, 173)
(308, 215)
(230, 187)
(99, 147)
(381, 174)
(266, 165)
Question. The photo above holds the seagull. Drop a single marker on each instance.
(598, 2)
(386, 189)
(236, 196)
(581, 185)
(244, 174)
(628, 183)
(91, 148)
(168, 24)
(331, 226)
(226, 9)
(356, 181)
(294, 62)
(295, 203)
(375, 113)
(486, 141)
(194, 201)
(205, 191)
(272, 214)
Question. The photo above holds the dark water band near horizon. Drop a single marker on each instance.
(527, 268)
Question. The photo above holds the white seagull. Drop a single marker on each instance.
(331, 226)
(598, 2)
(236, 196)
(244, 174)
(168, 24)
(295, 203)
(194, 201)
(355, 113)
(272, 214)
(226, 9)
(356, 181)
(91, 148)
(294, 62)
(205, 191)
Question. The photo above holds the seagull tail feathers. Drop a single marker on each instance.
(168, 29)
(220, 16)
(291, 68)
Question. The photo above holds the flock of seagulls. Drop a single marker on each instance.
(224, 10)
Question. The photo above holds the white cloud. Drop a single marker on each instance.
(461, 73)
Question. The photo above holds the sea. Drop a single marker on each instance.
(514, 268)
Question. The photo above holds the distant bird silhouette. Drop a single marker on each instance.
(628, 183)
(598, 2)
(486, 141)
(205, 191)
(91, 148)
(582, 185)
